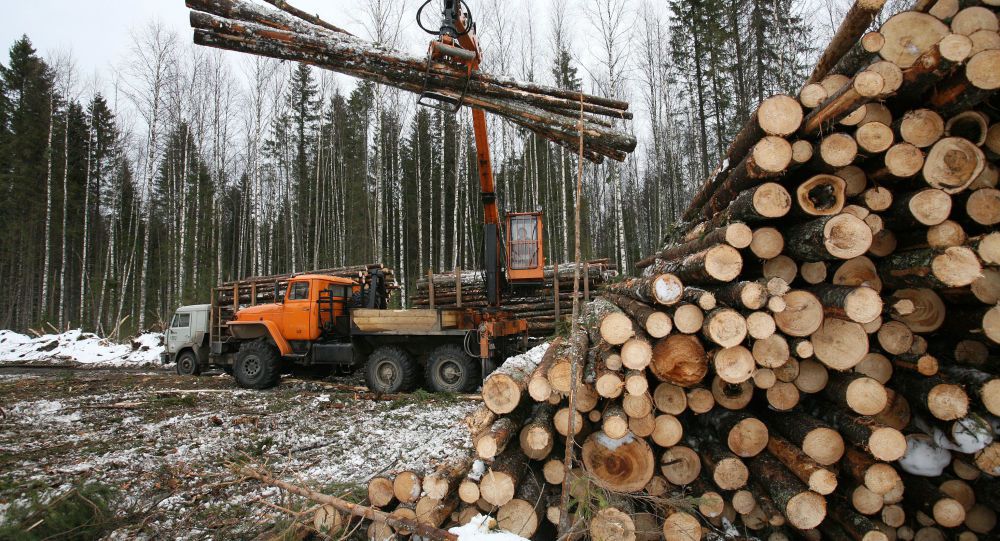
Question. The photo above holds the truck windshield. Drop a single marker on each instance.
(181, 321)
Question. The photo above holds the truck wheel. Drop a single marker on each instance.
(257, 366)
(187, 364)
(390, 369)
(450, 370)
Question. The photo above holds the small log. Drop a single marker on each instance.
(667, 431)
(734, 365)
(818, 478)
(720, 263)
(657, 324)
(664, 289)
(380, 492)
(727, 470)
(670, 398)
(447, 476)
(743, 294)
(725, 327)
(877, 477)
(943, 400)
(503, 389)
(767, 242)
(614, 421)
(817, 440)
(495, 440)
(860, 304)
(861, 394)
(736, 235)
(743, 433)
(881, 441)
(499, 484)
(803, 508)
(855, 23)
(921, 494)
(983, 385)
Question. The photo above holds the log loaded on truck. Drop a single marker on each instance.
(259, 328)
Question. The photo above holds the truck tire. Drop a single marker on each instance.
(390, 369)
(257, 365)
(451, 370)
(187, 364)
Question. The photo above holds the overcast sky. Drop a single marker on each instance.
(99, 31)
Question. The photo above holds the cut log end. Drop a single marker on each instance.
(887, 444)
(806, 510)
(948, 402)
(825, 446)
(846, 236)
(780, 115)
(957, 266)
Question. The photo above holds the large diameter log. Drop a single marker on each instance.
(877, 477)
(803, 508)
(623, 465)
(745, 435)
(920, 127)
(680, 465)
(908, 34)
(818, 478)
(851, 29)
(720, 263)
(538, 384)
(817, 440)
(956, 266)
(943, 400)
(499, 484)
(407, 486)
(952, 164)
(503, 389)
(434, 512)
(664, 289)
(762, 203)
(828, 238)
(380, 493)
(679, 359)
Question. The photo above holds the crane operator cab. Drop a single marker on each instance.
(525, 255)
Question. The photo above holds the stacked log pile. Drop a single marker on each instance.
(814, 353)
(288, 34)
(542, 305)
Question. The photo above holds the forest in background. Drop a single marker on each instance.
(199, 166)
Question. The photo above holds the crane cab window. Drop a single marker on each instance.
(524, 242)
(298, 291)
(181, 321)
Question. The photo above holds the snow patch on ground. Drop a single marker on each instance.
(78, 347)
(483, 528)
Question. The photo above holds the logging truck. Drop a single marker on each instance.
(260, 328)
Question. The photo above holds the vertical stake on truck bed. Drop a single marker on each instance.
(458, 287)
(555, 286)
(430, 286)
(586, 283)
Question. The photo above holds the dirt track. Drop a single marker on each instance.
(161, 442)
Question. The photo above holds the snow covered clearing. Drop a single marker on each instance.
(76, 347)
(163, 443)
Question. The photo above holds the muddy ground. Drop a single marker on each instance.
(162, 446)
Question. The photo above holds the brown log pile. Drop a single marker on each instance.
(543, 306)
(286, 34)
